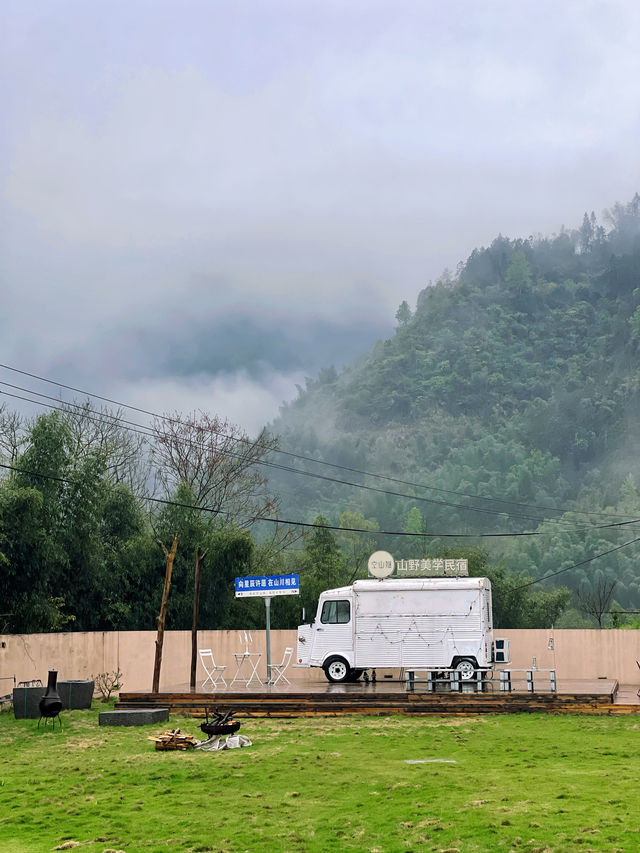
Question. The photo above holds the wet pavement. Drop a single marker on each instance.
(623, 694)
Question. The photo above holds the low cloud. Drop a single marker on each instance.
(243, 400)
(239, 199)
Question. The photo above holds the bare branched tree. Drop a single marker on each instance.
(13, 435)
(218, 461)
(281, 539)
(595, 600)
(105, 430)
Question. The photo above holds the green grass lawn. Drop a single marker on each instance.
(518, 782)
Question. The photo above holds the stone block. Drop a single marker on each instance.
(26, 701)
(136, 717)
(76, 693)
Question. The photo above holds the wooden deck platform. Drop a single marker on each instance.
(381, 698)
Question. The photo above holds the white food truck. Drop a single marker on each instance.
(410, 623)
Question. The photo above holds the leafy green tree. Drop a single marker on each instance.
(516, 602)
(417, 523)
(518, 275)
(586, 234)
(403, 314)
(634, 323)
(31, 520)
(76, 492)
(69, 554)
(518, 605)
(130, 560)
(356, 547)
(321, 565)
(30, 562)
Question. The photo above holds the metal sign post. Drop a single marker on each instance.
(267, 586)
(267, 608)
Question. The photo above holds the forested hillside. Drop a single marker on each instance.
(511, 396)
(498, 424)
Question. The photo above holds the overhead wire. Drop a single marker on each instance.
(170, 419)
(309, 524)
(577, 565)
(148, 432)
(353, 530)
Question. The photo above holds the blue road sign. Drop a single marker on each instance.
(267, 585)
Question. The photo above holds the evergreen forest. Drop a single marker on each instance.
(506, 402)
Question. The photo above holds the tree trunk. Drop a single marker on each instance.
(194, 624)
(170, 557)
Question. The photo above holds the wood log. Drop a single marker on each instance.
(170, 557)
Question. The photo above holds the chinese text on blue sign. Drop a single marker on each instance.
(268, 585)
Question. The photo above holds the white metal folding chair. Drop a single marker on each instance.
(279, 668)
(213, 670)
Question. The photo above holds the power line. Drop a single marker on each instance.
(140, 429)
(309, 524)
(387, 478)
(577, 565)
(622, 612)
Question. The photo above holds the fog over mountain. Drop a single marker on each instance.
(201, 204)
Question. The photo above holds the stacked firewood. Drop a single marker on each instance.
(174, 739)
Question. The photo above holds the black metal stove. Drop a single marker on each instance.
(51, 704)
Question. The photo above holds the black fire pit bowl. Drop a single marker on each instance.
(220, 724)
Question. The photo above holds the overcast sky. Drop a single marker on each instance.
(203, 202)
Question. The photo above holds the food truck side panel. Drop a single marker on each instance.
(425, 627)
(431, 622)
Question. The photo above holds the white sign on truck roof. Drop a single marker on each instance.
(381, 564)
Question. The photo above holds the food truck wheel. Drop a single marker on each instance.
(336, 669)
(467, 669)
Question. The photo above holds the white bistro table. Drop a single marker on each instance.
(247, 663)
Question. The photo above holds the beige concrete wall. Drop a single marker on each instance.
(82, 655)
(579, 653)
(576, 654)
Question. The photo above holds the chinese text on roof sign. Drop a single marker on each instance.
(432, 568)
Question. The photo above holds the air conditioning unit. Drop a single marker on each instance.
(501, 650)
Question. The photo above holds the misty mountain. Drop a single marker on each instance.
(241, 340)
(510, 394)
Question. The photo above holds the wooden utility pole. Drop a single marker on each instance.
(170, 557)
(200, 558)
